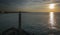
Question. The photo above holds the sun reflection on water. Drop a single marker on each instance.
(52, 21)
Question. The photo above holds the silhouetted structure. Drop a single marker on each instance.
(11, 31)
(0, 11)
(14, 31)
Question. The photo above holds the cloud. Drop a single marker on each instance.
(23, 5)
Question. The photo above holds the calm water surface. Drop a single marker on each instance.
(41, 22)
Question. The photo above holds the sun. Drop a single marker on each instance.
(51, 6)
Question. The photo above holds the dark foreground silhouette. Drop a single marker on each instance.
(14, 31)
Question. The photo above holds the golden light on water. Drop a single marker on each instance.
(52, 20)
(51, 6)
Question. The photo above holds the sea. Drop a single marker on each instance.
(41, 23)
(37, 23)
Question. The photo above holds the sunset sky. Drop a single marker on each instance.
(24, 5)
